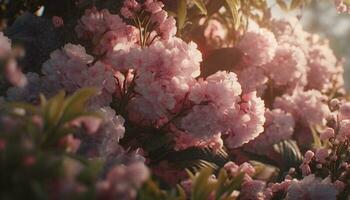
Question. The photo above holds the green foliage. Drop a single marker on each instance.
(55, 113)
(204, 185)
(33, 164)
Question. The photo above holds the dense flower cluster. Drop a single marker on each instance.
(283, 101)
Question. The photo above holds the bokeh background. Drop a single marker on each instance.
(321, 17)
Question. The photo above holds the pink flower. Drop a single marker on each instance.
(130, 7)
(106, 31)
(123, 181)
(89, 123)
(153, 6)
(5, 46)
(288, 68)
(165, 74)
(14, 74)
(308, 156)
(311, 188)
(253, 79)
(308, 107)
(344, 111)
(57, 21)
(259, 46)
(253, 190)
(234, 170)
(342, 6)
(321, 155)
(68, 68)
(327, 134)
(344, 130)
(185, 140)
(279, 126)
(168, 28)
(110, 132)
(322, 64)
(246, 121)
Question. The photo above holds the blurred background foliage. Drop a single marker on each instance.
(321, 17)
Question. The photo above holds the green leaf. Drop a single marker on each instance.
(232, 6)
(53, 110)
(201, 5)
(282, 5)
(75, 104)
(181, 14)
(221, 183)
(296, 3)
(201, 185)
(235, 183)
(290, 153)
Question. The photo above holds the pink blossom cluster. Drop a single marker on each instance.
(122, 181)
(279, 126)
(71, 68)
(342, 6)
(107, 32)
(287, 59)
(308, 107)
(322, 69)
(259, 46)
(156, 84)
(217, 94)
(164, 25)
(147, 78)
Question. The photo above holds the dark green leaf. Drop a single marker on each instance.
(181, 14)
(201, 5)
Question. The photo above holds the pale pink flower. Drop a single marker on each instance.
(259, 46)
(321, 155)
(344, 111)
(106, 31)
(342, 6)
(253, 79)
(327, 134)
(185, 140)
(344, 130)
(130, 7)
(153, 6)
(168, 28)
(288, 68)
(253, 190)
(311, 188)
(5, 46)
(246, 121)
(308, 107)
(308, 156)
(123, 181)
(322, 65)
(165, 73)
(14, 74)
(68, 69)
(279, 126)
(111, 131)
